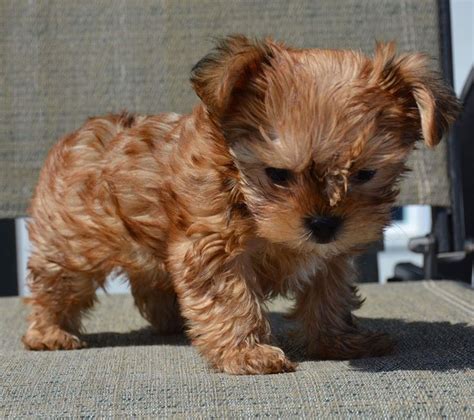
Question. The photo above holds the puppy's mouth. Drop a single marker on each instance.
(323, 229)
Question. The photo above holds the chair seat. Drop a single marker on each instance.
(129, 371)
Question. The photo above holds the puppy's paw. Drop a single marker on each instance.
(52, 338)
(257, 360)
(353, 345)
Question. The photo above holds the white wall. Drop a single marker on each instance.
(462, 29)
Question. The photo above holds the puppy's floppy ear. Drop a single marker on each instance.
(229, 68)
(436, 103)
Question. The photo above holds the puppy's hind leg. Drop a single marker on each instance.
(156, 301)
(58, 299)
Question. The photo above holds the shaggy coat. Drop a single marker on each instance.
(286, 169)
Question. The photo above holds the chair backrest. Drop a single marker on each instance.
(64, 60)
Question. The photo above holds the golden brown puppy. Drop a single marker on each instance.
(285, 171)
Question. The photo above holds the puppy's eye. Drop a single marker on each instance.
(279, 176)
(363, 176)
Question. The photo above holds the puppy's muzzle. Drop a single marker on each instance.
(323, 228)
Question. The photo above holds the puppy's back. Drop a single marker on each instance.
(74, 220)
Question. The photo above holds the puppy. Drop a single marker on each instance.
(286, 169)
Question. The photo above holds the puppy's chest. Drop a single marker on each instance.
(284, 272)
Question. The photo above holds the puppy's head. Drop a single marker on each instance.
(321, 137)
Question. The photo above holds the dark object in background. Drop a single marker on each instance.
(8, 283)
(464, 135)
(464, 130)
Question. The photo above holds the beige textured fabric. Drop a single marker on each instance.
(129, 372)
(64, 60)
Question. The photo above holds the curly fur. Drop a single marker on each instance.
(183, 206)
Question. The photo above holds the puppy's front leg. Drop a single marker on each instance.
(324, 311)
(219, 299)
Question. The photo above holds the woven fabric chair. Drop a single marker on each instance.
(71, 60)
(62, 61)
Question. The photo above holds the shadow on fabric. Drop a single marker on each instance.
(421, 345)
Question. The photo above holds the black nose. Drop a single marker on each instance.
(322, 228)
